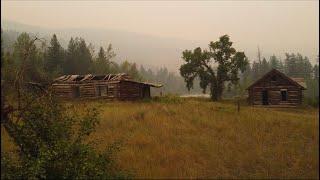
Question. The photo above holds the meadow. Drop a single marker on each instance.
(195, 138)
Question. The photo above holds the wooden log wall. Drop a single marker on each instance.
(274, 87)
(294, 96)
(86, 90)
(112, 90)
(123, 90)
(130, 90)
(63, 90)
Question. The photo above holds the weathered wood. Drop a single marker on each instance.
(274, 82)
(107, 86)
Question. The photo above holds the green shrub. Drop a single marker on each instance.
(53, 143)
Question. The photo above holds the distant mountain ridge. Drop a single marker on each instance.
(143, 49)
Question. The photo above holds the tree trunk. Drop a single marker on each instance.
(213, 91)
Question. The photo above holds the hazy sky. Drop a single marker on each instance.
(276, 26)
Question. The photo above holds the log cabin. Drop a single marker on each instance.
(275, 89)
(110, 86)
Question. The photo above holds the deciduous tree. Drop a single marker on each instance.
(199, 63)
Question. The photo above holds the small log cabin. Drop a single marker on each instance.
(111, 86)
(277, 90)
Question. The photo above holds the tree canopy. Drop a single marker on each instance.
(199, 63)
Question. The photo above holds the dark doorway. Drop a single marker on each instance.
(265, 97)
(76, 92)
(146, 91)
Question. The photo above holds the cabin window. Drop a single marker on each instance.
(101, 90)
(284, 95)
(110, 90)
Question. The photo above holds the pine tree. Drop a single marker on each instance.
(101, 65)
(274, 62)
(78, 58)
(70, 57)
(255, 70)
(264, 66)
(316, 72)
(54, 57)
(84, 59)
(290, 65)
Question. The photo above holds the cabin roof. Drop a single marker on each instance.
(106, 77)
(300, 81)
(88, 77)
(146, 83)
(296, 81)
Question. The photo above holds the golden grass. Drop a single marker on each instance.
(198, 138)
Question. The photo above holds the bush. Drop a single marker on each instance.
(53, 144)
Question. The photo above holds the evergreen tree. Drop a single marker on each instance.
(316, 72)
(70, 58)
(84, 57)
(274, 62)
(281, 66)
(290, 65)
(133, 72)
(110, 53)
(101, 66)
(255, 70)
(264, 66)
(54, 57)
(78, 58)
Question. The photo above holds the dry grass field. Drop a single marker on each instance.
(192, 137)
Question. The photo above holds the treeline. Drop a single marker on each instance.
(48, 61)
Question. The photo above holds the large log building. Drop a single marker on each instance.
(276, 89)
(110, 86)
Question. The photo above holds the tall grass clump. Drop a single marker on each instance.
(314, 102)
(168, 99)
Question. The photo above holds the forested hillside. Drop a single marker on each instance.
(50, 59)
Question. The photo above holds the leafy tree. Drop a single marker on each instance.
(25, 54)
(53, 143)
(131, 69)
(198, 64)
